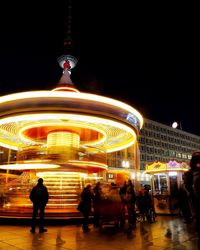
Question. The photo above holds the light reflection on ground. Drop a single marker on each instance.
(168, 232)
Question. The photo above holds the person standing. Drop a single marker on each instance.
(39, 196)
(86, 199)
(184, 202)
(131, 199)
(97, 202)
(195, 167)
(122, 193)
(192, 184)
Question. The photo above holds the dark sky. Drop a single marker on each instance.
(146, 56)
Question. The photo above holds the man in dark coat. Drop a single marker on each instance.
(39, 197)
(195, 167)
(86, 197)
(97, 202)
(131, 199)
(193, 187)
(122, 193)
(185, 199)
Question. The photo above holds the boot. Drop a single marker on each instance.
(42, 230)
(32, 230)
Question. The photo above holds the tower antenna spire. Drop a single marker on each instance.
(67, 61)
(68, 42)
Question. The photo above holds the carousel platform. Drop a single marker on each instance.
(25, 215)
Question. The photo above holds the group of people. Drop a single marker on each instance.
(92, 198)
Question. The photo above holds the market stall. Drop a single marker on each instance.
(166, 180)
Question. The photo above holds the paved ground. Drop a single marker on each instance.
(166, 233)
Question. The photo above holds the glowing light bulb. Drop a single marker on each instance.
(174, 125)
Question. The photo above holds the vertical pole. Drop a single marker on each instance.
(7, 171)
(136, 164)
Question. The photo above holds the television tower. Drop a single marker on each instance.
(67, 61)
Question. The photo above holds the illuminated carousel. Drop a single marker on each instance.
(63, 136)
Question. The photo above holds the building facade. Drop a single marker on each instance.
(159, 142)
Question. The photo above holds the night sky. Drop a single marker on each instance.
(142, 55)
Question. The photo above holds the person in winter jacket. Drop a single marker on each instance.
(86, 199)
(195, 168)
(131, 199)
(193, 187)
(39, 197)
(97, 190)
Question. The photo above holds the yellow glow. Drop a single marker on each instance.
(87, 126)
(68, 123)
(63, 204)
(65, 89)
(28, 166)
(62, 173)
(6, 145)
(56, 177)
(65, 200)
(64, 195)
(94, 177)
(68, 139)
(121, 170)
(66, 94)
(166, 170)
(58, 186)
(39, 161)
(48, 205)
(56, 180)
(119, 135)
(157, 167)
(88, 163)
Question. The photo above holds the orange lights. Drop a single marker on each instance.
(63, 88)
(106, 134)
(63, 139)
(37, 131)
(66, 100)
(171, 166)
(27, 166)
(90, 165)
(65, 131)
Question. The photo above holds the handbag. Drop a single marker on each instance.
(80, 206)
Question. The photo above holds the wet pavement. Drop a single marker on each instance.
(168, 232)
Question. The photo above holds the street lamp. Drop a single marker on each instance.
(176, 124)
